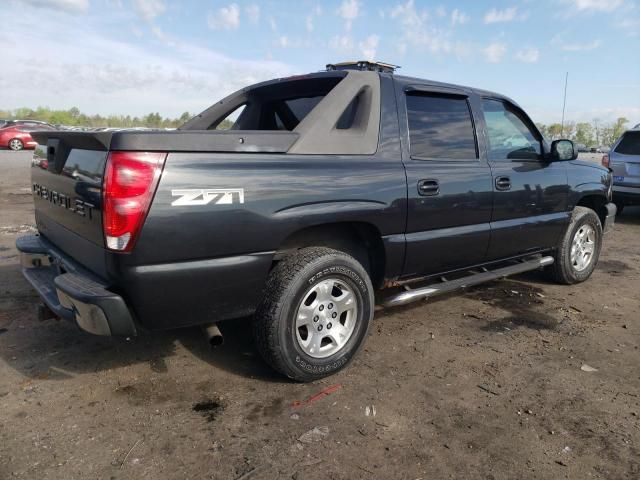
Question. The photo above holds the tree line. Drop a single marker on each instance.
(587, 133)
(75, 118)
(591, 134)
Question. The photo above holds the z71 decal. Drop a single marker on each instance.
(200, 196)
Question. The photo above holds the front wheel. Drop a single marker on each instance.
(315, 315)
(16, 144)
(579, 250)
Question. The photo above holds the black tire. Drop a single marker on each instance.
(563, 269)
(16, 144)
(275, 319)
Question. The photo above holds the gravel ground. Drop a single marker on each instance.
(486, 384)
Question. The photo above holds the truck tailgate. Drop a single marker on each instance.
(66, 183)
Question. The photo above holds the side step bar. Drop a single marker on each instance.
(412, 295)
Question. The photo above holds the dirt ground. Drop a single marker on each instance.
(487, 384)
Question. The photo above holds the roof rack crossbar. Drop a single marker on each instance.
(364, 65)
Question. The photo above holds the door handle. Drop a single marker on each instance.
(503, 183)
(428, 187)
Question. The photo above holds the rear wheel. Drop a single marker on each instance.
(16, 144)
(315, 315)
(578, 252)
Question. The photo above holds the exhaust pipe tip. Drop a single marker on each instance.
(214, 335)
(216, 341)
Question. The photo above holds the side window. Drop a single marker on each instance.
(508, 135)
(440, 127)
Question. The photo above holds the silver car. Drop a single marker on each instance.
(624, 160)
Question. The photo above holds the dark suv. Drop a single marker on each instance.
(624, 161)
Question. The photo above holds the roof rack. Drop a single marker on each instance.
(363, 65)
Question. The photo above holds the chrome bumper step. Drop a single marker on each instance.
(413, 295)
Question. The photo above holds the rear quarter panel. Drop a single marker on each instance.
(281, 195)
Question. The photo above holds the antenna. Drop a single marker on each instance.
(564, 104)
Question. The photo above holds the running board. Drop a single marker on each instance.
(412, 295)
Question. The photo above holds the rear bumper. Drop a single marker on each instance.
(610, 219)
(72, 292)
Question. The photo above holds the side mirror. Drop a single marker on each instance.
(563, 150)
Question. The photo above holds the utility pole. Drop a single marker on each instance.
(564, 104)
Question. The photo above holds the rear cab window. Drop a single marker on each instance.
(629, 144)
(440, 127)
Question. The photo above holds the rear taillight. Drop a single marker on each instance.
(130, 180)
(605, 160)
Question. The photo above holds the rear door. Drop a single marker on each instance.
(449, 185)
(530, 193)
(625, 162)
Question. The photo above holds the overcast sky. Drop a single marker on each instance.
(140, 56)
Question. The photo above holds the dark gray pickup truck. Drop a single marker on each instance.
(326, 187)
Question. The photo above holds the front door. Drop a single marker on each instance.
(530, 193)
(449, 185)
